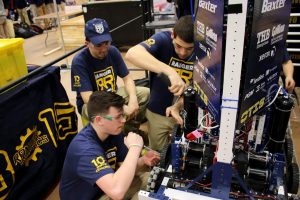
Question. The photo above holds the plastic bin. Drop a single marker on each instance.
(12, 60)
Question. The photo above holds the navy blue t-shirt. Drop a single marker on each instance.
(88, 159)
(161, 46)
(286, 56)
(91, 74)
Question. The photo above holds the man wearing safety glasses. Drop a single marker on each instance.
(101, 162)
(97, 67)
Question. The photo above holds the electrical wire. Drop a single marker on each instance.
(277, 93)
(206, 127)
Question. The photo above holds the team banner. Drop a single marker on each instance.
(207, 73)
(37, 123)
(265, 54)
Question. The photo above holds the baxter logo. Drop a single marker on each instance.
(273, 5)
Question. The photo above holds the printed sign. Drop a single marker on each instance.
(207, 75)
(264, 56)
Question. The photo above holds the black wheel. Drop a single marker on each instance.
(293, 178)
(165, 156)
(289, 150)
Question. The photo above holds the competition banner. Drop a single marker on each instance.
(207, 75)
(37, 123)
(264, 58)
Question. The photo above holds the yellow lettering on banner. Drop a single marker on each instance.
(252, 110)
(47, 116)
(65, 117)
(9, 169)
(201, 93)
(53, 120)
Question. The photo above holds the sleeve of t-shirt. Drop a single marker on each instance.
(122, 149)
(119, 64)
(93, 165)
(286, 56)
(155, 43)
(80, 79)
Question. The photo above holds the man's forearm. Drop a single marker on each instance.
(140, 57)
(288, 68)
(130, 89)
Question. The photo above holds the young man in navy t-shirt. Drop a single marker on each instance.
(100, 160)
(171, 53)
(97, 67)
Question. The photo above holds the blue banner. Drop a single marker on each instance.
(207, 73)
(37, 123)
(264, 56)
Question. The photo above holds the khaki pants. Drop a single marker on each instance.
(6, 28)
(159, 129)
(24, 16)
(138, 183)
(42, 10)
(142, 94)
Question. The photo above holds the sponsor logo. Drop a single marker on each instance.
(206, 5)
(276, 30)
(249, 94)
(277, 33)
(200, 28)
(252, 110)
(263, 36)
(256, 80)
(272, 5)
(205, 49)
(211, 34)
(270, 53)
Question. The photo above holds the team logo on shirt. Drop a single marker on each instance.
(77, 81)
(99, 163)
(105, 79)
(183, 68)
(111, 155)
(149, 42)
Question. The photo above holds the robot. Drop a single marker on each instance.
(235, 142)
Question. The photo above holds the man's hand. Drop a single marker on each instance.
(131, 110)
(151, 158)
(177, 84)
(133, 140)
(173, 111)
(289, 84)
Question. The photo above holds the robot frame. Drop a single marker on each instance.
(224, 159)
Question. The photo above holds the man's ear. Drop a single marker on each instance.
(98, 119)
(172, 34)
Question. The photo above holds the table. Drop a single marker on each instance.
(62, 16)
